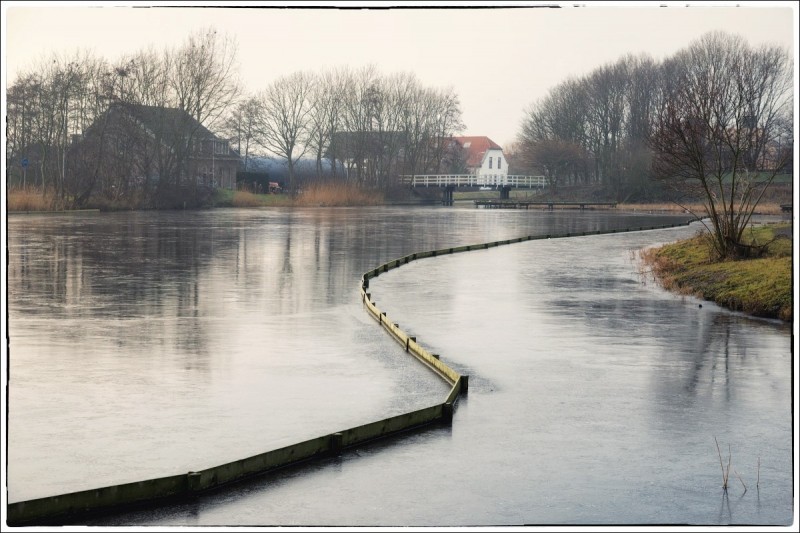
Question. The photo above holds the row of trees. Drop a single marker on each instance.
(723, 130)
(597, 129)
(594, 129)
(711, 124)
(55, 103)
(368, 126)
(373, 126)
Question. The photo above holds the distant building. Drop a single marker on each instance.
(483, 156)
(166, 143)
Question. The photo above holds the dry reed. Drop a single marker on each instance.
(724, 471)
(29, 199)
(758, 473)
(337, 194)
(740, 479)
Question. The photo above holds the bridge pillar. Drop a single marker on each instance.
(504, 192)
(447, 195)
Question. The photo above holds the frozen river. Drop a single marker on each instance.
(150, 344)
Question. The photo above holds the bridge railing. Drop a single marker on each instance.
(474, 180)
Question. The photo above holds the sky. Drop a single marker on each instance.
(498, 60)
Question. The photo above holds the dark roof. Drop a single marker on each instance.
(167, 122)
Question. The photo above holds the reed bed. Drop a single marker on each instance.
(337, 194)
(29, 199)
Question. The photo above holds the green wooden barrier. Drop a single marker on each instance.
(66, 508)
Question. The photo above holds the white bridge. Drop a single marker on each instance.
(449, 182)
(475, 180)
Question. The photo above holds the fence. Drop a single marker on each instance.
(474, 180)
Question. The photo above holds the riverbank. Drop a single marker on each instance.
(764, 208)
(340, 194)
(760, 286)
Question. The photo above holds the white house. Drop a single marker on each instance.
(485, 158)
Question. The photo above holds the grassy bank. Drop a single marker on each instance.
(760, 287)
(333, 194)
(764, 208)
(228, 198)
(327, 194)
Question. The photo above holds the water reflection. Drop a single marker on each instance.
(629, 384)
(197, 338)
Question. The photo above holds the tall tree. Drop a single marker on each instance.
(202, 76)
(326, 101)
(241, 127)
(721, 130)
(284, 124)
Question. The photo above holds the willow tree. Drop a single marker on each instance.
(723, 130)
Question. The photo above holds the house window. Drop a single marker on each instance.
(490, 162)
(220, 147)
(499, 162)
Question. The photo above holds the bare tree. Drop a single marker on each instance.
(721, 130)
(554, 158)
(21, 110)
(241, 127)
(49, 107)
(356, 120)
(138, 160)
(284, 123)
(606, 89)
(608, 115)
(640, 105)
(147, 80)
(563, 116)
(203, 76)
(326, 100)
(203, 82)
(445, 121)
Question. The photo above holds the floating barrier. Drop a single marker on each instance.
(69, 508)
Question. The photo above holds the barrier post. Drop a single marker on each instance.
(335, 444)
(447, 413)
(193, 482)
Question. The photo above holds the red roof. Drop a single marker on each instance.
(476, 148)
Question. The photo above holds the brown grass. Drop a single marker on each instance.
(29, 199)
(764, 208)
(337, 194)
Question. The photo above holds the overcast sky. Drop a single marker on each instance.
(498, 60)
